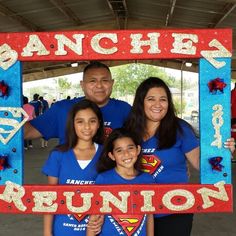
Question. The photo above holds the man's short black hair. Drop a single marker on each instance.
(95, 65)
(36, 96)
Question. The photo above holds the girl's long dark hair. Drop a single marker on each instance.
(71, 137)
(169, 125)
(105, 162)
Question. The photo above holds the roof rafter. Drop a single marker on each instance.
(5, 11)
(170, 13)
(60, 4)
(226, 11)
(120, 11)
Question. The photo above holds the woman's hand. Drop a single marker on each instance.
(95, 223)
(230, 144)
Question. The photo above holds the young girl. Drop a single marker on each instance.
(120, 164)
(75, 163)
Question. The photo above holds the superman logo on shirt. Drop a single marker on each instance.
(79, 217)
(107, 131)
(129, 224)
(150, 163)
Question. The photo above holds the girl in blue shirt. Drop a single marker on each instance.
(120, 164)
(75, 163)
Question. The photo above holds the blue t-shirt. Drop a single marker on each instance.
(65, 167)
(169, 166)
(52, 123)
(115, 225)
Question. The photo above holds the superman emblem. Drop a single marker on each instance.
(129, 223)
(107, 131)
(10, 124)
(150, 163)
(79, 217)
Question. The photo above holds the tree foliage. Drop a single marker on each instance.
(128, 77)
(63, 84)
(77, 90)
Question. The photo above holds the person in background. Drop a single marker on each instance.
(97, 85)
(29, 109)
(36, 104)
(44, 107)
(68, 97)
(44, 104)
(75, 163)
(233, 118)
(167, 141)
(53, 102)
(120, 163)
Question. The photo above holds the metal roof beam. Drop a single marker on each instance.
(60, 4)
(226, 11)
(120, 11)
(170, 13)
(5, 11)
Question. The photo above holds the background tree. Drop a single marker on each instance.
(77, 90)
(63, 86)
(128, 77)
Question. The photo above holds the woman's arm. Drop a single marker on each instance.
(48, 219)
(193, 157)
(150, 225)
(33, 114)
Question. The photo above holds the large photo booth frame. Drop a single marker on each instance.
(213, 48)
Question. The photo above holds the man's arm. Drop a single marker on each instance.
(30, 132)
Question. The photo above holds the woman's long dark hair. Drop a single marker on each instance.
(71, 137)
(169, 125)
(105, 162)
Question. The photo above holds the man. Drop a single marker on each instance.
(44, 107)
(44, 104)
(36, 104)
(29, 109)
(97, 85)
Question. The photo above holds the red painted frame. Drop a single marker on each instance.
(117, 45)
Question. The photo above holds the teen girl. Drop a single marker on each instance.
(120, 164)
(75, 163)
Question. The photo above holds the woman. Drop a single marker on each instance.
(168, 142)
(29, 109)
